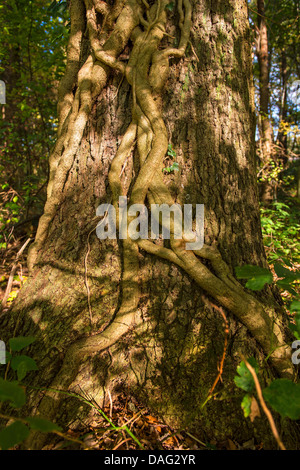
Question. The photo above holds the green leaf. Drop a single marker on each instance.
(23, 364)
(13, 434)
(43, 425)
(171, 152)
(11, 391)
(20, 342)
(286, 286)
(289, 276)
(284, 396)
(8, 356)
(170, 6)
(281, 271)
(295, 306)
(245, 380)
(257, 276)
(246, 405)
(175, 166)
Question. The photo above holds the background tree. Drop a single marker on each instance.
(277, 49)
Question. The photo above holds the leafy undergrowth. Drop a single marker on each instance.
(281, 231)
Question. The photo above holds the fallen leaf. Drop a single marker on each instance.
(255, 411)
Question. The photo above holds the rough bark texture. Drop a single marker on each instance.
(109, 315)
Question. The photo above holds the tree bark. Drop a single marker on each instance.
(110, 314)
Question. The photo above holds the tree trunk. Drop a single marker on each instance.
(114, 314)
(265, 128)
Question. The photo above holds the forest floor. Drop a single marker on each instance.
(138, 430)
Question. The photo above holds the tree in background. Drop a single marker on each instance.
(277, 48)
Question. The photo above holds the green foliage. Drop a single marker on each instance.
(257, 276)
(246, 405)
(42, 424)
(172, 154)
(170, 6)
(281, 231)
(245, 380)
(282, 394)
(12, 392)
(284, 397)
(13, 434)
(32, 61)
(20, 342)
(23, 364)
(295, 327)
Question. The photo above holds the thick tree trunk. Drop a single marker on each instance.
(110, 314)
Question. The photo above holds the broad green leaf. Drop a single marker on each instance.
(20, 342)
(23, 364)
(13, 434)
(257, 276)
(284, 396)
(11, 391)
(8, 356)
(43, 425)
(245, 380)
(287, 275)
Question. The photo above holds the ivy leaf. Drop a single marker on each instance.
(170, 6)
(11, 391)
(43, 425)
(23, 364)
(245, 380)
(257, 276)
(171, 152)
(13, 434)
(175, 166)
(284, 396)
(20, 342)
